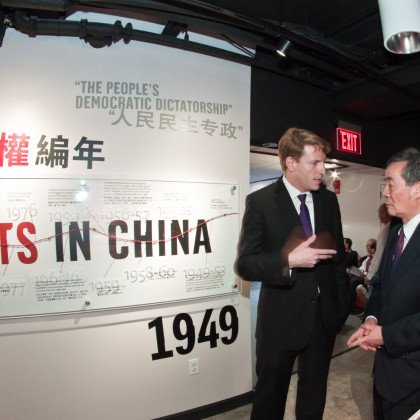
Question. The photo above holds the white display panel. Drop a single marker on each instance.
(117, 131)
(72, 244)
(115, 363)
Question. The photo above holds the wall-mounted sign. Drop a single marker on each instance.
(98, 243)
(349, 141)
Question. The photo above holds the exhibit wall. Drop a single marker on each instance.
(359, 199)
(123, 175)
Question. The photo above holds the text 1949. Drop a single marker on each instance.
(183, 329)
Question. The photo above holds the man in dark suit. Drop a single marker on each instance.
(304, 292)
(392, 325)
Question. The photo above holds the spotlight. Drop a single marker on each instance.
(284, 47)
(83, 192)
(335, 175)
(400, 25)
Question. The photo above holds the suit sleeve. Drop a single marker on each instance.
(254, 261)
(341, 265)
(403, 336)
(372, 307)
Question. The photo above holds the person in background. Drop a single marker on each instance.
(392, 325)
(357, 280)
(352, 257)
(292, 241)
(366, 261)
(362, 290)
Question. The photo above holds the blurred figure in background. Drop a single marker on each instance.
(362, 290)
(358, 278)
(351, 256)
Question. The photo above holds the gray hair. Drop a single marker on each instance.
(411, 172)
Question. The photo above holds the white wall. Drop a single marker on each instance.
(359, 200)
(98, 365)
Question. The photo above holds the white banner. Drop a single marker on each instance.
(90, 244)
(83, 226)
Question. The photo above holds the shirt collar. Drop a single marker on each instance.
(294, 192)
(411, 226)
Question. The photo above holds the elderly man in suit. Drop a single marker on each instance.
(392, 324)
(292, 242)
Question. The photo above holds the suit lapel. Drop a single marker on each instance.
(410, 253)
(318, 210)
(285, 202)
(386, 260)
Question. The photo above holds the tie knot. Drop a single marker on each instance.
(302, 198)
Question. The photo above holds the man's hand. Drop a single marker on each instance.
(306, 257)
(368, 336)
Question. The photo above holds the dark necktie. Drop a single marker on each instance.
(304, 216)
(398, 248)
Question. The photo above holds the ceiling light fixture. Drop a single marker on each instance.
(400, 25)
(284, 47)
(334, 174)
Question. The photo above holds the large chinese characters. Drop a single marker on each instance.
(14, 151)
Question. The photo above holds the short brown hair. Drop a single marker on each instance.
(294, 140)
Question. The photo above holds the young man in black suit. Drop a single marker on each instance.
(392, 325)
(294, 246)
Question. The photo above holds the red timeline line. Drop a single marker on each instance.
(153, 241)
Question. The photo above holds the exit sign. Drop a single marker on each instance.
(349, 141)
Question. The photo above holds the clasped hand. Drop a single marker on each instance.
(306, 257)
(368, 336)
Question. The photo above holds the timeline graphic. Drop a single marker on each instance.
(70, 244)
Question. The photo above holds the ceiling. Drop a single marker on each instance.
(336, 45)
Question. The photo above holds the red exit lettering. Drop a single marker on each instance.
(349, 141)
